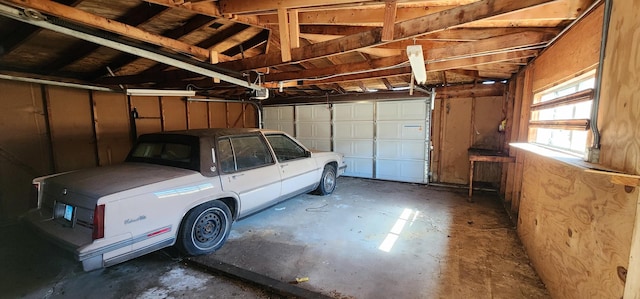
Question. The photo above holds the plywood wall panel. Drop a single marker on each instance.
(174, 113)
(217, 115)
(70, 119)
(197, 115)
(111, 115)
(250, 120)
(24, 146)
(235, 115)
(619, 116)
(575, 227)
(574, 54)
(456, 129)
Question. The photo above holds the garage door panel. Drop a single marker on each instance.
(313, 130)
(316, 144)
(353, 112)
(353, 130)
(279, 118)
(405, 171)
(401, 150)
(359, 167)
(401, 130)
(315, 113)
(355, 148)
(395, 110)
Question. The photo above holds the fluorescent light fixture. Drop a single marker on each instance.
(160, 92)
(417, 63)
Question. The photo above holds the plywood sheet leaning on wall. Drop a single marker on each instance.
(24, 146)
(111, 117)
(70, 120)
(575, 227)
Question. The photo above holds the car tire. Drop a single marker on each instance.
(205, 228)
(327, 181)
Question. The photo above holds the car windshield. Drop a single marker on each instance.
(176, 153)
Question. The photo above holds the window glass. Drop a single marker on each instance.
(571, 140)
(163, 151)
(225, 156)
(285, 148)
(243, 152)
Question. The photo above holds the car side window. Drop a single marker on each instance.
(243, 152)
(285, 148)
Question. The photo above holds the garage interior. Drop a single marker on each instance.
(80, 79)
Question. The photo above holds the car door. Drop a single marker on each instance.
(249, 170)
(298, 170)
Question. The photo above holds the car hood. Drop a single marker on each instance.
(102, 181)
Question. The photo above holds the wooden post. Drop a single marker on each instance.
(285, 38)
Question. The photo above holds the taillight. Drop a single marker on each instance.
(98, 222)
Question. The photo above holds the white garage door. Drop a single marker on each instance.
(382, 140)
(279, 118)
(313, 126)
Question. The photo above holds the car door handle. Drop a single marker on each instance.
(283, 165)
(237, 175)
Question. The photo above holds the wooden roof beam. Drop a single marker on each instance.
(80, 16)
(243, 7)
(363, 16)
(500, 43)
(402, 30)
(432, 67)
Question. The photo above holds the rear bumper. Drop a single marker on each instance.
(69, 238)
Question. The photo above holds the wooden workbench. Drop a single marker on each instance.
(485, 155)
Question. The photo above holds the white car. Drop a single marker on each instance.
(181, 188)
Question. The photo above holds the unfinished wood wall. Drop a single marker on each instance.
(619, 117)
(24, 145)
(577, 227)
(48, 129)
(460, 123)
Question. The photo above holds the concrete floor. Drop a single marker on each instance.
(370, 239)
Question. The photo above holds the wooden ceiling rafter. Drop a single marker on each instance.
(194, 23)
(24, 32)
(140, 14)
(403, 30)
(101, 23)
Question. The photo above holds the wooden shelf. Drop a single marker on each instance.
(616, 177)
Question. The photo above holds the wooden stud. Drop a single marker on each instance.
(390, 8)
(213, 59)
(285, 39)
(294, 28)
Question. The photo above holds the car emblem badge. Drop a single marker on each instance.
(64, 191)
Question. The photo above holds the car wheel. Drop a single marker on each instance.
(205, 228)
(327, 181)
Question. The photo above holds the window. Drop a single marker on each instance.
(560, 116)
(243, 152)
(285, 148)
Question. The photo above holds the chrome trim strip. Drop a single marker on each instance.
(138, 252)
(120, 244)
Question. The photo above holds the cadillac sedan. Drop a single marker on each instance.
(181, 189)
